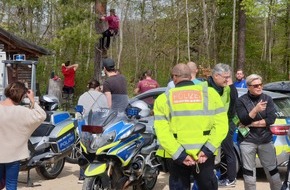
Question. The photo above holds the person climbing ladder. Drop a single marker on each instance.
(113, 22)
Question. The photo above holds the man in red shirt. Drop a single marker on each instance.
(68, 72)
(113, 22)
(146, 84)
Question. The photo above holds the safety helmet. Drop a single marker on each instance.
(145, 110)
(49, 102)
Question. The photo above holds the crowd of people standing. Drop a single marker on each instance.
(193, 120)
(185, 156)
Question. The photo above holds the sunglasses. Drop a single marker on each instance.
(257, 85)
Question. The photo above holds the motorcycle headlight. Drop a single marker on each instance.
(126, 134)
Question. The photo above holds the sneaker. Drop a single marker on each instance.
(81, 180)
(226, 183)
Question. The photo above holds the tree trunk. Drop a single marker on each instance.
(241, 53)
(188, 32)
(124, 7)
(233, 35)
(154, 10)
(89, 49)
(286, 57)
(205, 28)
(100, 7)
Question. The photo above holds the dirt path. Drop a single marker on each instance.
(69, 177)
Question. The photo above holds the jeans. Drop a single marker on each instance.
(82, 173)
(11, 171)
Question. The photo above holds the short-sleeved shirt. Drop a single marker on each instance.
(92, 100)
(113, 22)
(69, 76)
(240, 84)
(147, 84)
(117, 85)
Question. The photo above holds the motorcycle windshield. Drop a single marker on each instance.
(101, 117)
(98, 118)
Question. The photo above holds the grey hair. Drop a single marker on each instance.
(253, 77)
(221, 68)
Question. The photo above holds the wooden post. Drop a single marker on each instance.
(100, 26)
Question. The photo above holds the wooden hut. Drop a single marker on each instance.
(13, 45)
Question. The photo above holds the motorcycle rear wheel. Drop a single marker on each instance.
(50, 171)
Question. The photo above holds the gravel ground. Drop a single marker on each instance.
(69, 177)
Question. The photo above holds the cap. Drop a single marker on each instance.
(108, 63)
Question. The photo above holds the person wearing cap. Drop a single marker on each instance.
(113, 22)
(115, 87)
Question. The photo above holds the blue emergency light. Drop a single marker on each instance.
(19, 57)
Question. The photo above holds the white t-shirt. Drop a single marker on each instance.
(92, 100)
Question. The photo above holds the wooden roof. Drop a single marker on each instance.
(15, 45)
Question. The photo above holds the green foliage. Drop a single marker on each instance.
(154, 36)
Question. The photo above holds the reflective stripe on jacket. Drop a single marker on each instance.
(187, 118)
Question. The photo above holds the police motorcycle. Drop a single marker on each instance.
(76, 152)
(50, 143)
(118, 151)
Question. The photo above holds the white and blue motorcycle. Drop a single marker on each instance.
(118, 151)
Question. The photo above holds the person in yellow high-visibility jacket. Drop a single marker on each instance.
(190, 124)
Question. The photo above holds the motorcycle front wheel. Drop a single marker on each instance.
(95, 183)
(50, 171)
(148, 181)
(92, 183)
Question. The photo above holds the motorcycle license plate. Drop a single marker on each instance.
(66, 141)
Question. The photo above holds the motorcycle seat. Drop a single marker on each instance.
(148, 138)
(43, 130)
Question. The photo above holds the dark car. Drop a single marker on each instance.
(280, 86)
(279, 129)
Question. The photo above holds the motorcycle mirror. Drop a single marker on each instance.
(79, 108)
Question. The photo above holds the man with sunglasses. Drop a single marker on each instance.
(256, 111)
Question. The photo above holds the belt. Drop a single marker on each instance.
(205, 133)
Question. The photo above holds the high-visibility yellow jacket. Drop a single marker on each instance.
(226, 96)
(188, 118)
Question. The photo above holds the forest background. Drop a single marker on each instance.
(155, 34)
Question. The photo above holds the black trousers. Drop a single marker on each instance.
(229, 154)
(107, 37)
(179, 178)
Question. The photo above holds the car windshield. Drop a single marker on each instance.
(282, 106)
